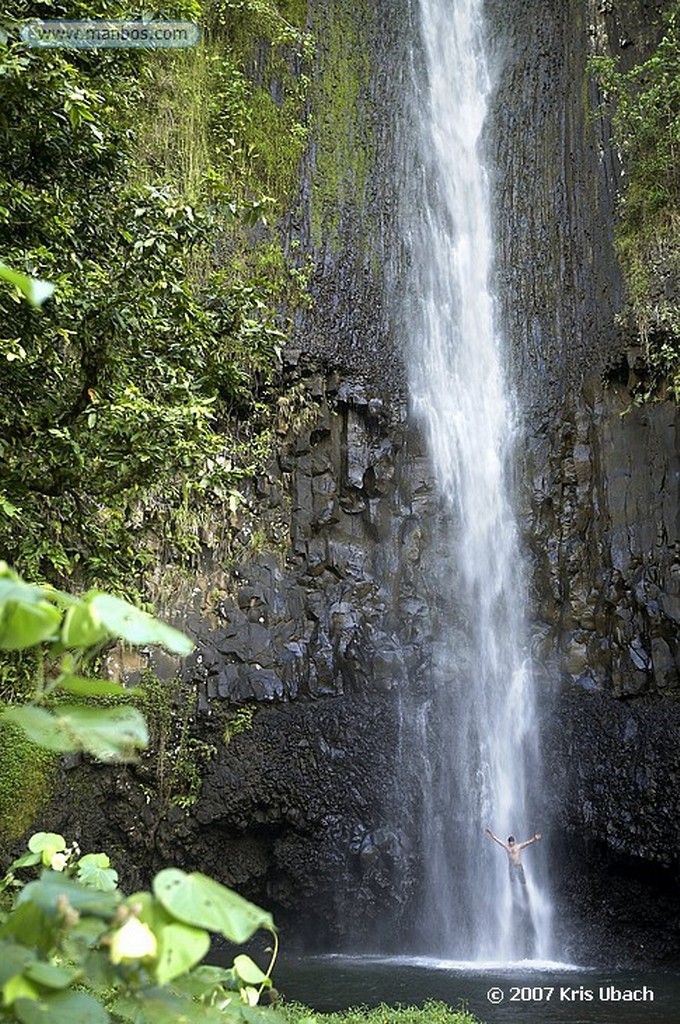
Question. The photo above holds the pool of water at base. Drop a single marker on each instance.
(526, 992)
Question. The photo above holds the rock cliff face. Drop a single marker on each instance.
(605, 540)
(327, 635)
(599, 479)
(299, 809)
(324, 619)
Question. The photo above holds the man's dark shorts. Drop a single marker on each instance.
(517, 873)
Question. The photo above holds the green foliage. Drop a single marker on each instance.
(430, 1013)
(73, 948)
(71, 629)
(177, 757)
(140, 185)
(644, 103)
(25, 769)
(35, 292)
(238, 721)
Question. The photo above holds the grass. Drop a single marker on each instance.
(430, 1012)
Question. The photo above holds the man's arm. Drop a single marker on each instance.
(495, 838)
(528, 842)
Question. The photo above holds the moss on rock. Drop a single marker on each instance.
(26, 777)
(341, 94)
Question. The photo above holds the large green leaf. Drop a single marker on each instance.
(82, 626)
(94, 869)
(109, 734)
(63, 1008)
(82, 687)
(33, 290)
(198, 900)
(42, 727)
(137, 627)
(14, 960)
(52, 889)
(181, 948)
(25, 625)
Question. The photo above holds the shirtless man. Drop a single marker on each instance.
(514, 852)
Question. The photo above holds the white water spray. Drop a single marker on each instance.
(477, 730)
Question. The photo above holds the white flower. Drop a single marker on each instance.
(59, 861)
(133, 941)
(250, 995)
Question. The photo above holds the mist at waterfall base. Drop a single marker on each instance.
(469, 731)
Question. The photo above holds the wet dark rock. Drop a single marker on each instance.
(606, 549)
(601, 476)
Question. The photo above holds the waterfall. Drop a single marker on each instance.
(474, 722)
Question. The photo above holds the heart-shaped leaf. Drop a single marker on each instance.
(94, 869)
(25, 625)
(198, 900)
(181, 948)
(63, 1008)
(249, 972)
(137, 627)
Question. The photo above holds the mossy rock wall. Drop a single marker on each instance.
(348, 200)
(28, 776)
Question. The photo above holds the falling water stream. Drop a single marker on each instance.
(476, 729)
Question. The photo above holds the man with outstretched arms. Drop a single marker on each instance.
(514, 852)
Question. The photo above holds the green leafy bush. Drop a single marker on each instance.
(644, 103)
(75, 950)
(137, 401)
(70, 629)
